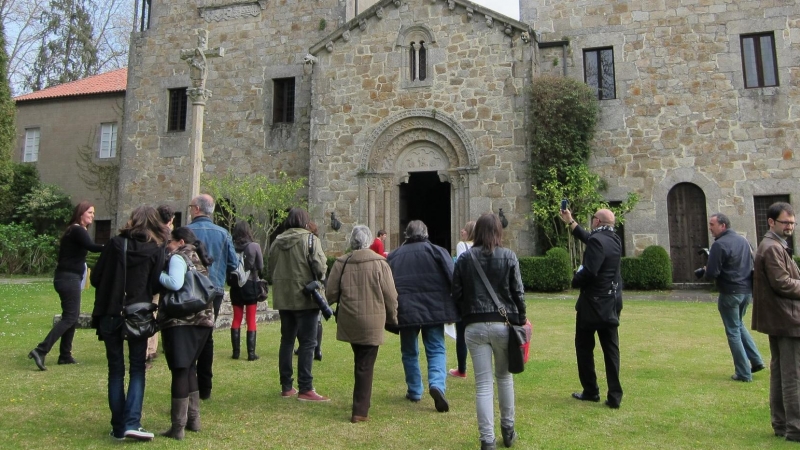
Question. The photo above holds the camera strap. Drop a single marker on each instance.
(310, 255)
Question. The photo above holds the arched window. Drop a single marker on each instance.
(415, 42)
(417, 61)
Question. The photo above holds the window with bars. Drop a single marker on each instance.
(178, 103)
(759, 61)
(31, 153)
(598, 71)
(762, 204)
(283, 100)
(108, 140)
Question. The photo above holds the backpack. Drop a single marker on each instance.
(239, 276)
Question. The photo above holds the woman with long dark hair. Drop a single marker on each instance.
(245, 298)
(70, 271)
(184, 337)
(127, 273)
(486, 331)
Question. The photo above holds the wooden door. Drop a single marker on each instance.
(688, 230)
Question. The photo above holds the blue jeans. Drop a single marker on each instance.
(126, 411)
(433, 340)
(732, 308)
(486, 340)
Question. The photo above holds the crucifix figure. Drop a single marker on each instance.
(198, 72)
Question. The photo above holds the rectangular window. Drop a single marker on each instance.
(102, 231)
(31, 153)
(598, 71)
(145, 25)
(177, 221)
(108, 140)
(762, 204)
(759, 61)
(177, 110)
(283, 102)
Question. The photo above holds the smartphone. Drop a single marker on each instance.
(564, 204)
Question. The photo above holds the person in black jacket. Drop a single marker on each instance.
(485, 330)
(599, 304)
(70, 271)
(126, 273)
(422, 275)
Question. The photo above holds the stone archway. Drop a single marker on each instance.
(415, 140)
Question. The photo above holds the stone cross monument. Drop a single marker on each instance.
(198, 72)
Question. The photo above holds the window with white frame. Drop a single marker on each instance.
(31, 153)
(108, 140)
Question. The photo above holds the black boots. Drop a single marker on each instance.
(509, 436)
(318, 348)
(38, 358)
(488, 445)
(193, 412)
(178, 412)
(251, 346)
(236, 335)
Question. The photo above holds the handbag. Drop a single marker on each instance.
(263, 290)
(519, 336)
(139, 320)
(194, 296)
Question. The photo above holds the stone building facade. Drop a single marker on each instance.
(682, 130)
(379, 145)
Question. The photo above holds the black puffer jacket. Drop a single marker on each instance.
(472, 297)
(422, 274)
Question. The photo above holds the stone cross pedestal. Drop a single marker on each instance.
(198, 72)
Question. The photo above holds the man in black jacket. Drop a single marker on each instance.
(599, 304)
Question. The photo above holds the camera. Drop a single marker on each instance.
(314, 289)
(698, 273)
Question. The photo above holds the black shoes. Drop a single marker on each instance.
(757, 368)
(586, 398)
(412, 399)
(438, 400)
(66, 360)
(38, 358)
(509, 436)
(612, 405)
(735, 377)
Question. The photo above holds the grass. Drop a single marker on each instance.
(675, 371)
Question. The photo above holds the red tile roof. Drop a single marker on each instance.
(114, 81)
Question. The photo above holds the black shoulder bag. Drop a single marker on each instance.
(194, 296)
(314, 287)
(140, 323)
(517, 334)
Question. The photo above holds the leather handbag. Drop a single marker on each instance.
(194, 296)
(263, 290)
(140, 322)
(519, 336)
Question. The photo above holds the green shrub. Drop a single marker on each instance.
(23, 252)
(796, 260)
(651, 270)
(91, 259)
(548, 273)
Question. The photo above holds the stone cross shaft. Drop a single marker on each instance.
(197, 58)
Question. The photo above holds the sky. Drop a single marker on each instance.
(509, 8)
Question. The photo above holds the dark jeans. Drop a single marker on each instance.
(302, 326)
(68, 286)
(205, 361)
(584, 350)
(364, 357)
(461, 347)
(126, 410)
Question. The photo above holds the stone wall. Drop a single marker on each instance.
(682, 113)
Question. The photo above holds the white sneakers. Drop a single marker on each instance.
(140, 435)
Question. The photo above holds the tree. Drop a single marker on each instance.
(264, 203)
(47, 208)
(7, 129)
(112, 21)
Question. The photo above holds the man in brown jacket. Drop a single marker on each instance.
(776, 312)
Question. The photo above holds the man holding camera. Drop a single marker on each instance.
(730, 263)
(598, 305)
(296, 260)
(776, 296)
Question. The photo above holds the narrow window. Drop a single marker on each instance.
(422, 57)
(761, 205)
(145, 25)
(598, 70)
(108, 140)
(283, 102)
(177, 221)
(31, 153)
(413, 59)
(177, 110)
(759, 60)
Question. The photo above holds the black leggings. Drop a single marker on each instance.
(184, 381)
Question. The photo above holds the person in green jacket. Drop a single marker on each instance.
(292, 257)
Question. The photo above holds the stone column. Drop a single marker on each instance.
(372, 185)
(387, 210)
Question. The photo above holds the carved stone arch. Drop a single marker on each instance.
(384, 160)
(414, 33)
(387, 131)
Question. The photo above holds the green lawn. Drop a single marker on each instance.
(675, 372)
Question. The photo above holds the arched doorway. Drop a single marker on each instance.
(688, 230)
(424, 197)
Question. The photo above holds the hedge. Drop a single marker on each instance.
(549, 273)
(651, 270)
(22, 251)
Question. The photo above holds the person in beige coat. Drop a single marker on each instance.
(362, 285)
(776, 294)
